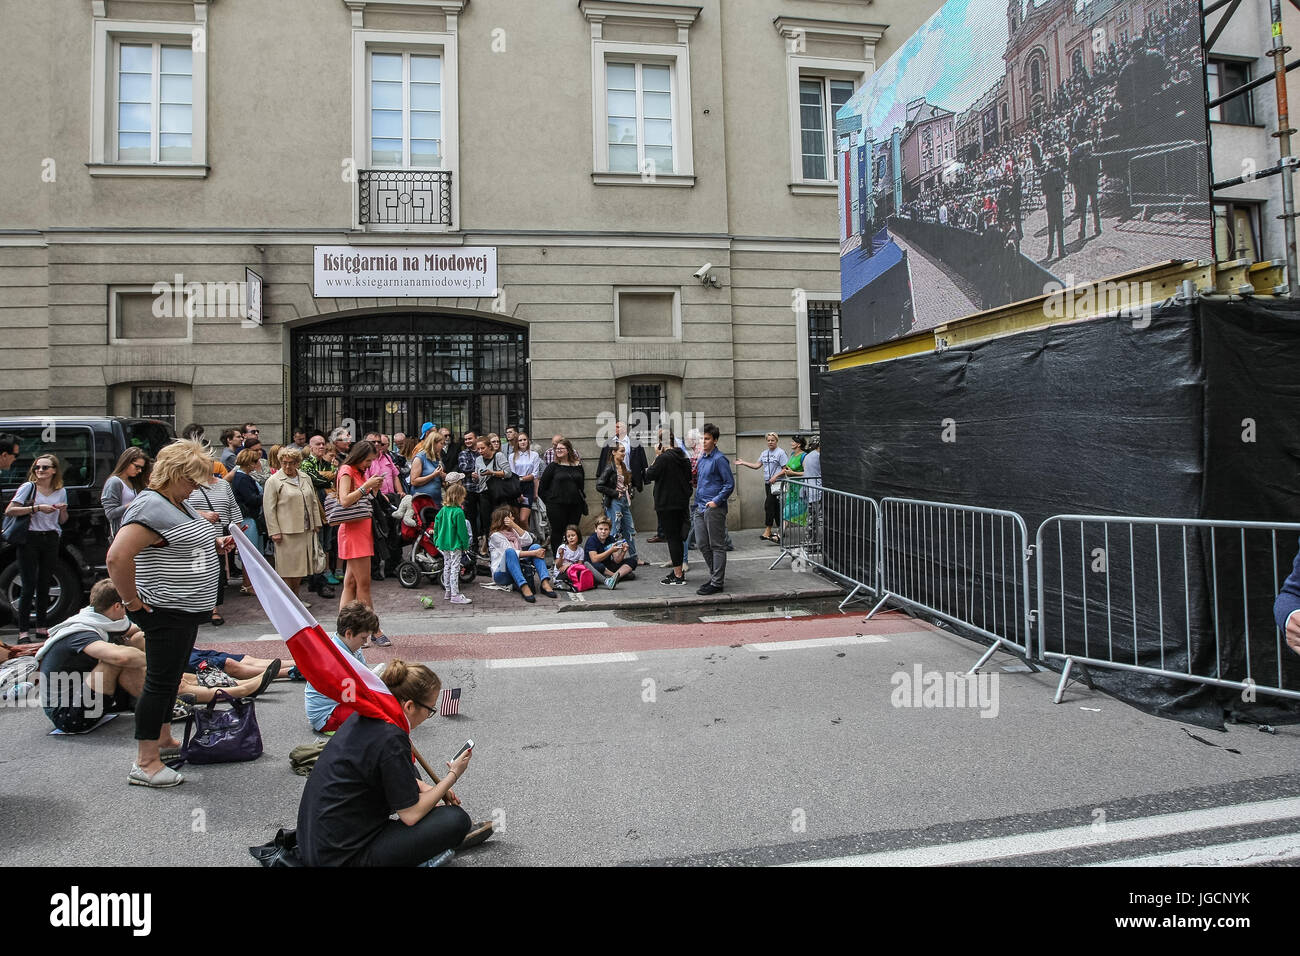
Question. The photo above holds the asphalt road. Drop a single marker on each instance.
(704, 743)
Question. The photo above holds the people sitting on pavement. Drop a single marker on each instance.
(94, 646)
(238, 666)
(106, 650)
(608, 556)
(571, 554)
(355, 626)
(366, 774)
(509, 543)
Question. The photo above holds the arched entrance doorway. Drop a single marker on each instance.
(391, 371)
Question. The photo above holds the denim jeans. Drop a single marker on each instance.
(619, 514)
(514, 574)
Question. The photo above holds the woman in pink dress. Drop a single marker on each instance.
(356, 545)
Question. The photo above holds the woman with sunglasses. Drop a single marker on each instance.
(44, 501)
(366, 774)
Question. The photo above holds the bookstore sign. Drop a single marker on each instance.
(412, 272)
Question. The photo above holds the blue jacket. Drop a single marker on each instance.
(713, 481)
(1288, 599)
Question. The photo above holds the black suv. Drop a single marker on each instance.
(88, 449)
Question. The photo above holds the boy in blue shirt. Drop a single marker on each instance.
(355, 625)
(609, 557)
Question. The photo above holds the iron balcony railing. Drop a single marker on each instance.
(405, 197)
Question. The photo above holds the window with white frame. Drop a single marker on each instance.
(155, 103)
(405, 110)
(639, 113)
(404, 130)
(149, 94)
(816, 125)
(641, 95)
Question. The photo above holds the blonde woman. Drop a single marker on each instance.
(427, 471)
(164, 563)
(43, 500)
(293, 518)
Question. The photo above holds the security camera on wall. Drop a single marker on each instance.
(705, 278)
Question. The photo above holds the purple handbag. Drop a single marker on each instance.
(222, 736)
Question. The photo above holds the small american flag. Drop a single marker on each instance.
(449, 703)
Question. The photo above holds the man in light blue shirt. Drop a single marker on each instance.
(356, 624)
(713, 486)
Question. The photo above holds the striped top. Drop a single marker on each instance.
(181, 573)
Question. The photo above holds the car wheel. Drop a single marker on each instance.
(65, 591)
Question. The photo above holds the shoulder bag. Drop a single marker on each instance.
(14, 530)
(336, 513)
(504, 490)
(225, 736)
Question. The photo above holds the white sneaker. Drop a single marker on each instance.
(166, 777)
(460, 599)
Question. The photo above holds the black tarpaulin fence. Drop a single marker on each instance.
(1192, 414)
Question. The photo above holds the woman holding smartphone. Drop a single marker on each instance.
(44, 500)
(366, 774)
(356, 543)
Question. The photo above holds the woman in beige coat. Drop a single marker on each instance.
(293, 517)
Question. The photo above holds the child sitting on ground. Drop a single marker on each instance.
(571, 555)
(608, 558)
(356, 623)
(452, 539)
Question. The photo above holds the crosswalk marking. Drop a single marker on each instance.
(1274, 849)
(617, 657)
(817, 642)
(1070, 838)
(515, 628)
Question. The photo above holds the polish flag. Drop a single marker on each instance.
(335, 674)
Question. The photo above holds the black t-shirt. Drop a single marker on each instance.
(68, 656)
(364, 774)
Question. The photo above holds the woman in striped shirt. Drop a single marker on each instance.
(164, 562)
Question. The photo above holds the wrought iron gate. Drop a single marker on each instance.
(393, 371)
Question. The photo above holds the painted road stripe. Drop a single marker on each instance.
(514, 628)
(817, 642)
(269, 637)
(753, 616)
(1275, 849)
(1071, 838)
(615, 658)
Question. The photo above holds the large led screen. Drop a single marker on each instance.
(1011, 146)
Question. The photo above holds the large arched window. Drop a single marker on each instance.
(1076, 63)
(1035, 77)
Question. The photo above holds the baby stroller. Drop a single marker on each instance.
(424, 559)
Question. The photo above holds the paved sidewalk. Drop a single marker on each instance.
(400, 611)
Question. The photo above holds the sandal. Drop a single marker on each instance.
(246, 590)
(217, 620)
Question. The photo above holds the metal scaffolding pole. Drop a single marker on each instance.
(1283, 134)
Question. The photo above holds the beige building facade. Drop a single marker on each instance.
(186, 169)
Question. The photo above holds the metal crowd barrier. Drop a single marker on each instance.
(832, 531)
(968, 566)
(1181, 598)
